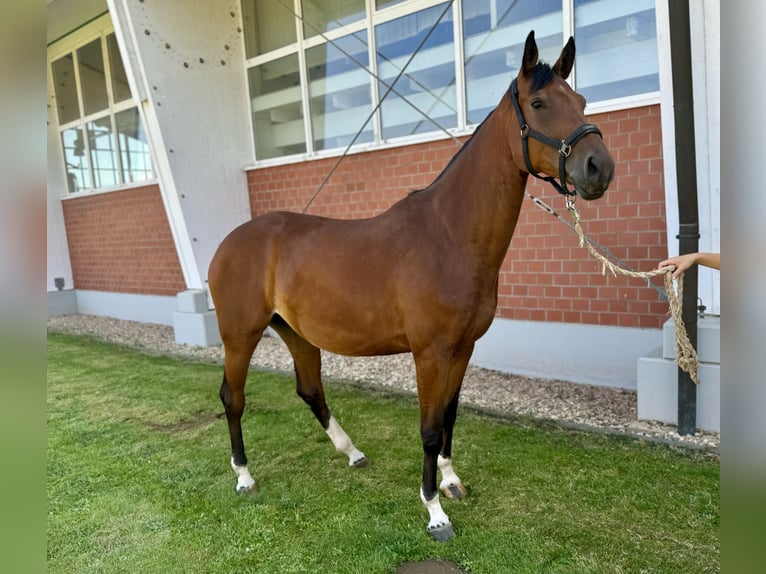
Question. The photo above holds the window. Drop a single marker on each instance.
(339, 92)
(494, 32)
(324, 16)
(268, 26)
(135, 160)
(322, 72)
(616, 48)
(275, 92)
(103, 141)
(428, 81)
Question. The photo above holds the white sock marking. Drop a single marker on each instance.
(436, 516)
(244, 480)
(342, 443)
(449, 477)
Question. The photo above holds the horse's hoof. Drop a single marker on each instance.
(363, 462)
(441, 533)
(245, 490)
(453, 491)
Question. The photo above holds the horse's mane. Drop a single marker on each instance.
(542, 75)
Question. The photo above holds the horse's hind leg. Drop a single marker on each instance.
(307, 359)
(238, 352)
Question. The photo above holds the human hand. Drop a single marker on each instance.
(681, 263)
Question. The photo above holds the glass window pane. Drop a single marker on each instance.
(268, 25)
(103, 156)
(324, 16)
(428, 82)
(339, 89)
(78, 176)
(616, 49)
(92, 77)
(134, 149)
(494, 33)
(65, 88)
(120, 87)
(275, 95)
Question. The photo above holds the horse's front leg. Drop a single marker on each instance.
(439, 525)
(439, 380)
(451, 485)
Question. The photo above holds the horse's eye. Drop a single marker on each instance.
(537, 104)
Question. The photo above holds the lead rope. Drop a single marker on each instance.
(686, 356)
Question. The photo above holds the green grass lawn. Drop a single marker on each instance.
(139, 481)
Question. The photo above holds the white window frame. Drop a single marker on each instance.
(100, 29)
(376, 17)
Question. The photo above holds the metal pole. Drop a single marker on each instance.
(686, 179)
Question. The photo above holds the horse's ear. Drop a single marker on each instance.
(530, 55)
(566, 60)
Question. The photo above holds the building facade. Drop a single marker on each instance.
(170, 123)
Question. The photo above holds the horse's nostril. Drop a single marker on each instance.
(592, 166)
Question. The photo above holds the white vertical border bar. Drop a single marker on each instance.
(567, 30)
(372, 56)
(58, 260)
(248, 95)
(708, 285)
(457, 28)
(667, 121)
(706, 54)
(303, 74)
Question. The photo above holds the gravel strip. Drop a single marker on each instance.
(568, 404)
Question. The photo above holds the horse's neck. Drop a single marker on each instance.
(479, 197)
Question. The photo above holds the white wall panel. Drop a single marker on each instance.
(706, 64)
(185, 61)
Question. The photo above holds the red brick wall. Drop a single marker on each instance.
(546, 276)
(121, 242)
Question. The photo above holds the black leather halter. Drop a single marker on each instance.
(564, 146)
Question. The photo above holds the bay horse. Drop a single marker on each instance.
(420, 277)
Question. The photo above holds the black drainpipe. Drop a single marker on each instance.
(686, 180)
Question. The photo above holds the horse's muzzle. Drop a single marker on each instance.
(593, 174)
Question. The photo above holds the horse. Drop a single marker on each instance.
(420, 277)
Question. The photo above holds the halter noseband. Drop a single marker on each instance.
(564, 146)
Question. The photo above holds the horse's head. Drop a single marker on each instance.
(555, 137)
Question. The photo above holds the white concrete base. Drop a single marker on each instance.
(129, 306)
(658, 377)
(708, 339)
(193, 323)
(196, 329)
(62, 303)
(658, 392)
(589, 354)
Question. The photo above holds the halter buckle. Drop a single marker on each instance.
(565, 149)
(570, 203)
(524, 131)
